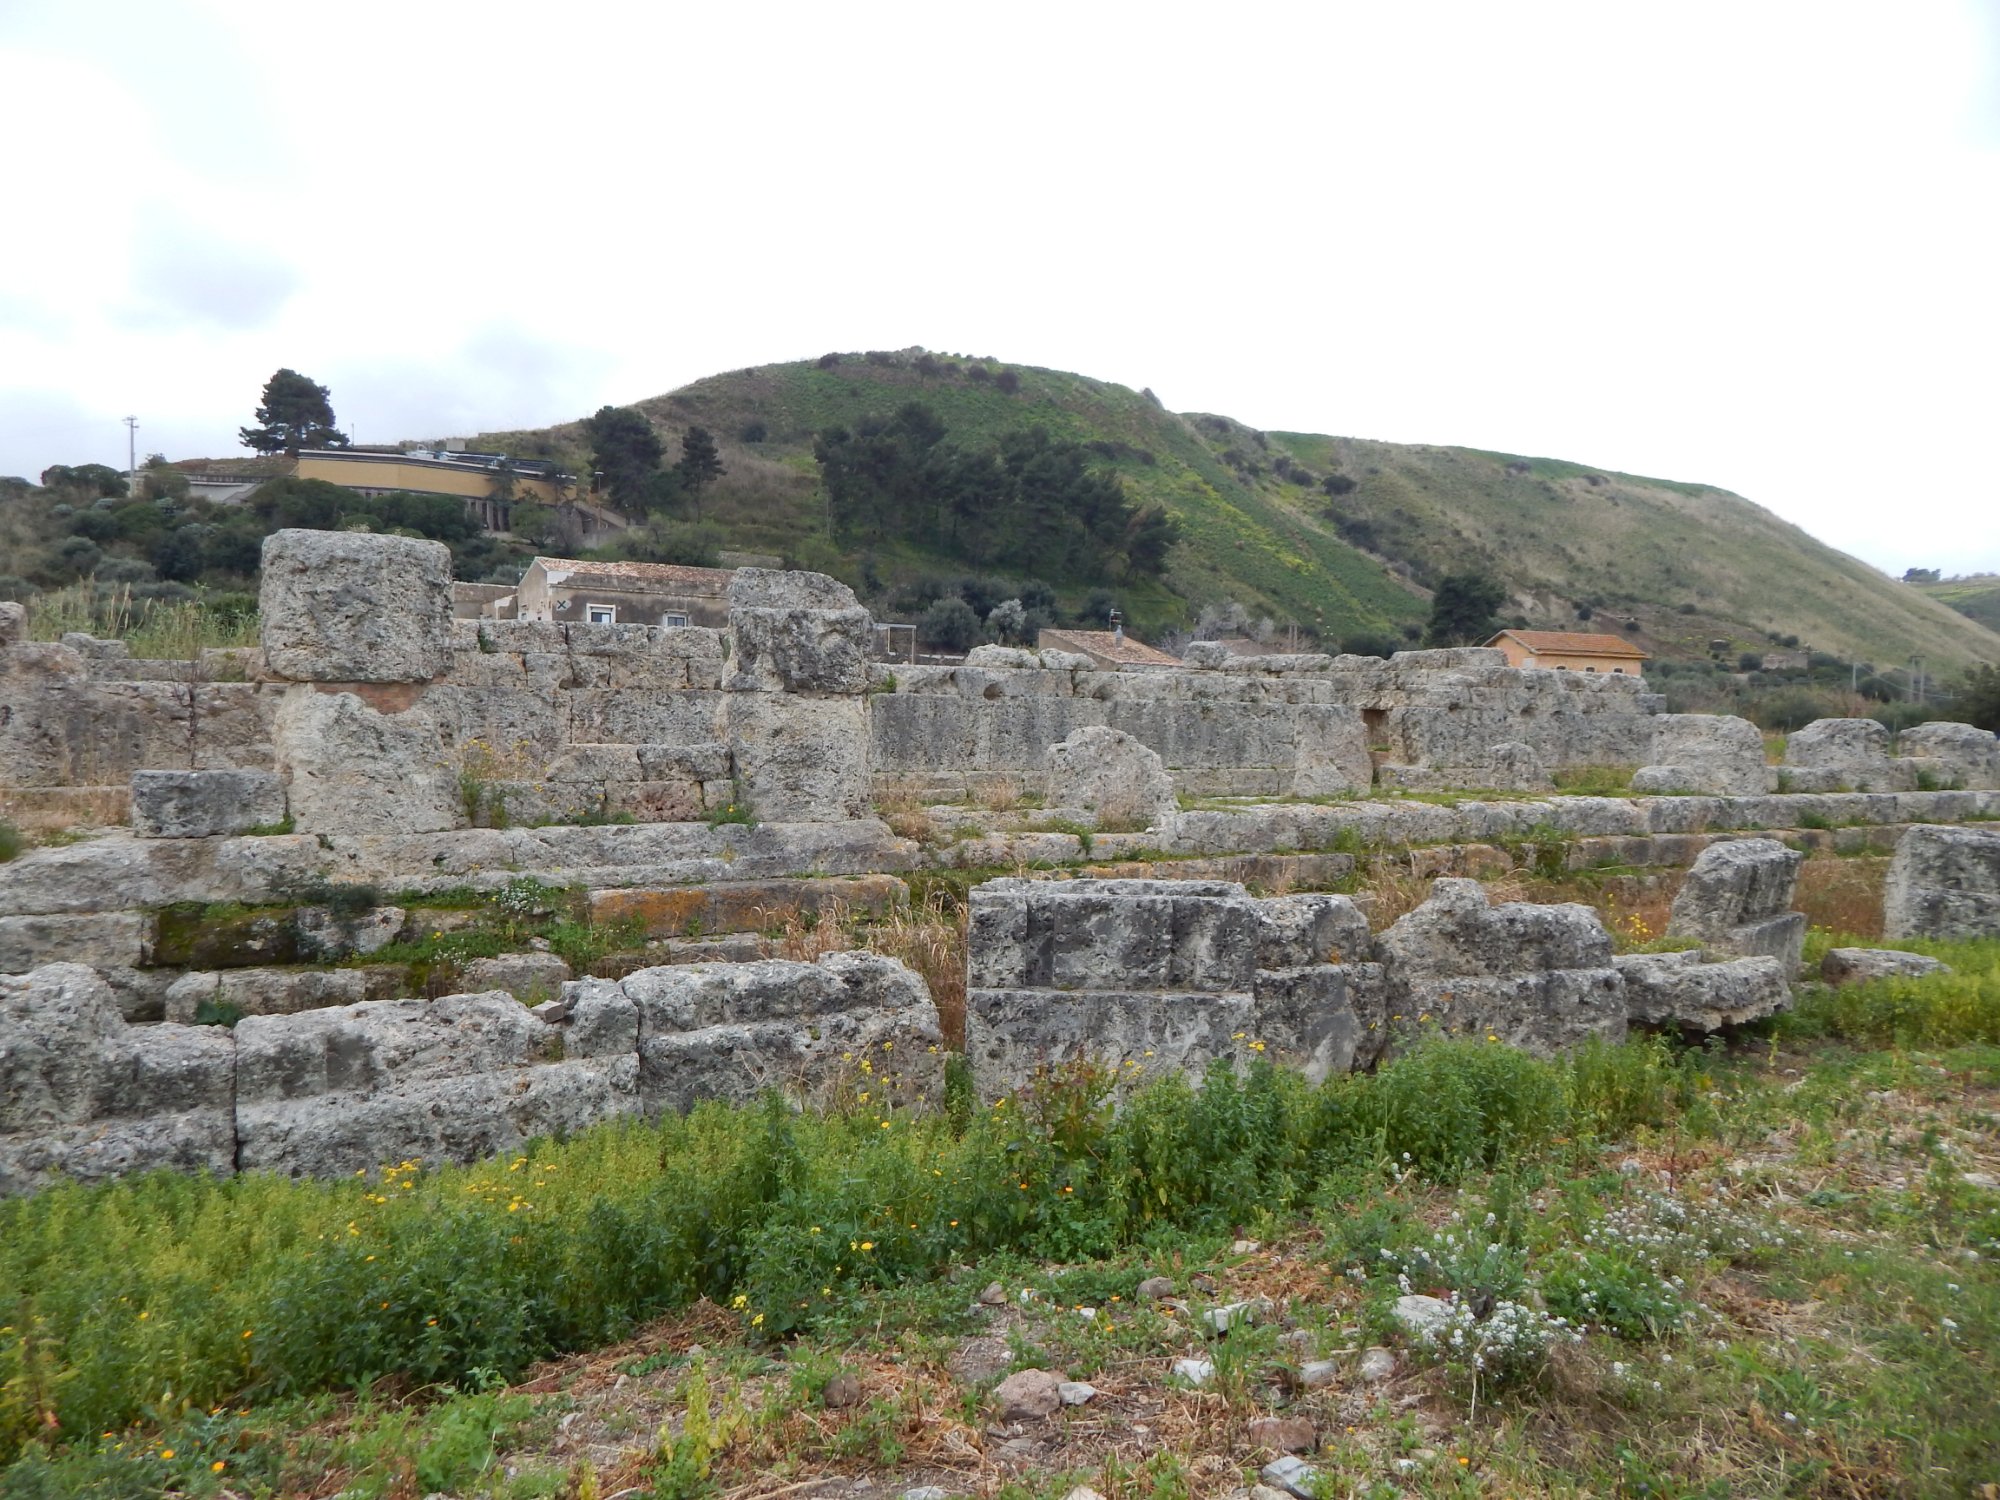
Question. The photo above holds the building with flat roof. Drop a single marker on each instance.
(622, 593)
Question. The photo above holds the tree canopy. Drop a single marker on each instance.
(1463, 609)
(627, 452)
(295, 413)
(1028, 501)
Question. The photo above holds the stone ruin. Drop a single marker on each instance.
(688, 780)
(330, 1092)
(1177, 974)
(1944, 883)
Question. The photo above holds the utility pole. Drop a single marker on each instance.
(132, 448)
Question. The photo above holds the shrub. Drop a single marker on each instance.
(753, 432)
(11, 841)
(828, 361)
(949, 625)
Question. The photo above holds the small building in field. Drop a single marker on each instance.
(1570, 651)
(1113, 650)
(578, 592)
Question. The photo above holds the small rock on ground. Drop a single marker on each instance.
(1153, 1288)
(1421, 1314)
(1028, 1395)
(1193, 1371)
(1246, 1247)
(1283, 1434)
(1377, 1364)
(1292, 1475)
(927, 1492)
(994, 1295)
(1316, 1373)
(1075, 1392)
(842, 1390)
(1083, 1492)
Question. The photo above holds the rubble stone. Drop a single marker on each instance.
(1114, 776)
(1943, 883)
(349, 606)
(528, 977)
(1028, 1396)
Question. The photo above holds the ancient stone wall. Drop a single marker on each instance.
(334, 1091)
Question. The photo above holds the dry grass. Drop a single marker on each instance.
(1003, 794)
(930, 938)
(1843, 895)
(907, 818)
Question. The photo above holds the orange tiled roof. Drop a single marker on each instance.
(1103, 643)
(1571, 643)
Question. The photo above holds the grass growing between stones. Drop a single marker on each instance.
(1781, 1256)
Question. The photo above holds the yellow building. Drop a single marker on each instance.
(1570, 651)
(470, 477)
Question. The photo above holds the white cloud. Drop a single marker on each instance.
(1748, 245)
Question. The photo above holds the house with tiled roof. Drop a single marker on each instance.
(1112, 649)
(582, 592)
(1570, 651)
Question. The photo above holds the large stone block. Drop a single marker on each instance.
(800, 760)
(349, 606)
(1110, 774)
(268, 991)
(1714, 754)
(737, 1031)
(1964, 755)
(353, 769)
(1737, 899)
(1853, 752)
(84, 1095)
(1943, 883)
(329, 1092)
(99, 939)
(797, 632)
(1679, 990)
(204, 804)
(1330, 751)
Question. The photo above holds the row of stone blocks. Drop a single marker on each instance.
(331, 1092)
(1721, 755)
(1179, 974)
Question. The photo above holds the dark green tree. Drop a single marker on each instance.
(626, 451)
(295, 413)
(1977, 699)
(949, 625)
(1463, 609)
(700, 465)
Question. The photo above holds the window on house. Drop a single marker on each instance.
(673, 619)
(1619, 670)
(603, 614)
(1590, 669)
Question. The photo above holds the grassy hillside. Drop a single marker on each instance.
(1671, 565)
(1977, 597)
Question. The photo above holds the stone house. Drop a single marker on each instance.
(1570, 651)
(1110, 649)
(623, 593)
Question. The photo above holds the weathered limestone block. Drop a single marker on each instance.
(1114, 776)
(352, 769)
(1965, 756)
(736, 1031)
(13, 623)
(1330, 751)
(268, 991)
(99, 939)
(348, 606)
(528, 977)
(1028, 660)
(1737, 899)
(1715, 754)
(1186, 971)
(327, 934)
(797, 632)
(1678, 989)
(1861, 965)
(203, 804)
(84, 1095)
(800, 760)
(1538, 977)
(1853, 751)
(329, 1092)
(1943, 883)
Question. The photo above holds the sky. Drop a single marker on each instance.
(1753, 244)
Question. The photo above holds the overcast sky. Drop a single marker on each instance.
(1755, 245)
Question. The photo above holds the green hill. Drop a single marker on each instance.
(1976, 597)
(1340, 536)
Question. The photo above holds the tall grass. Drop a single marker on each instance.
(1942, 1010)
(166, 1293)
(160, 629)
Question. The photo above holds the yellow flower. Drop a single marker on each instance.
(217, 1467)
(757, 1321)
(739, 1301)
(867, 1244)
(166, 1453)
(248, 1331)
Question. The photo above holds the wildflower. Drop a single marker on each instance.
(248, 1331)
(166, 1453)
(739, 1302)
(867, 1244)
(757, 1321)
(217, 1467)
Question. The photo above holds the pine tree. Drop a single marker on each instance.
(295, 413)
